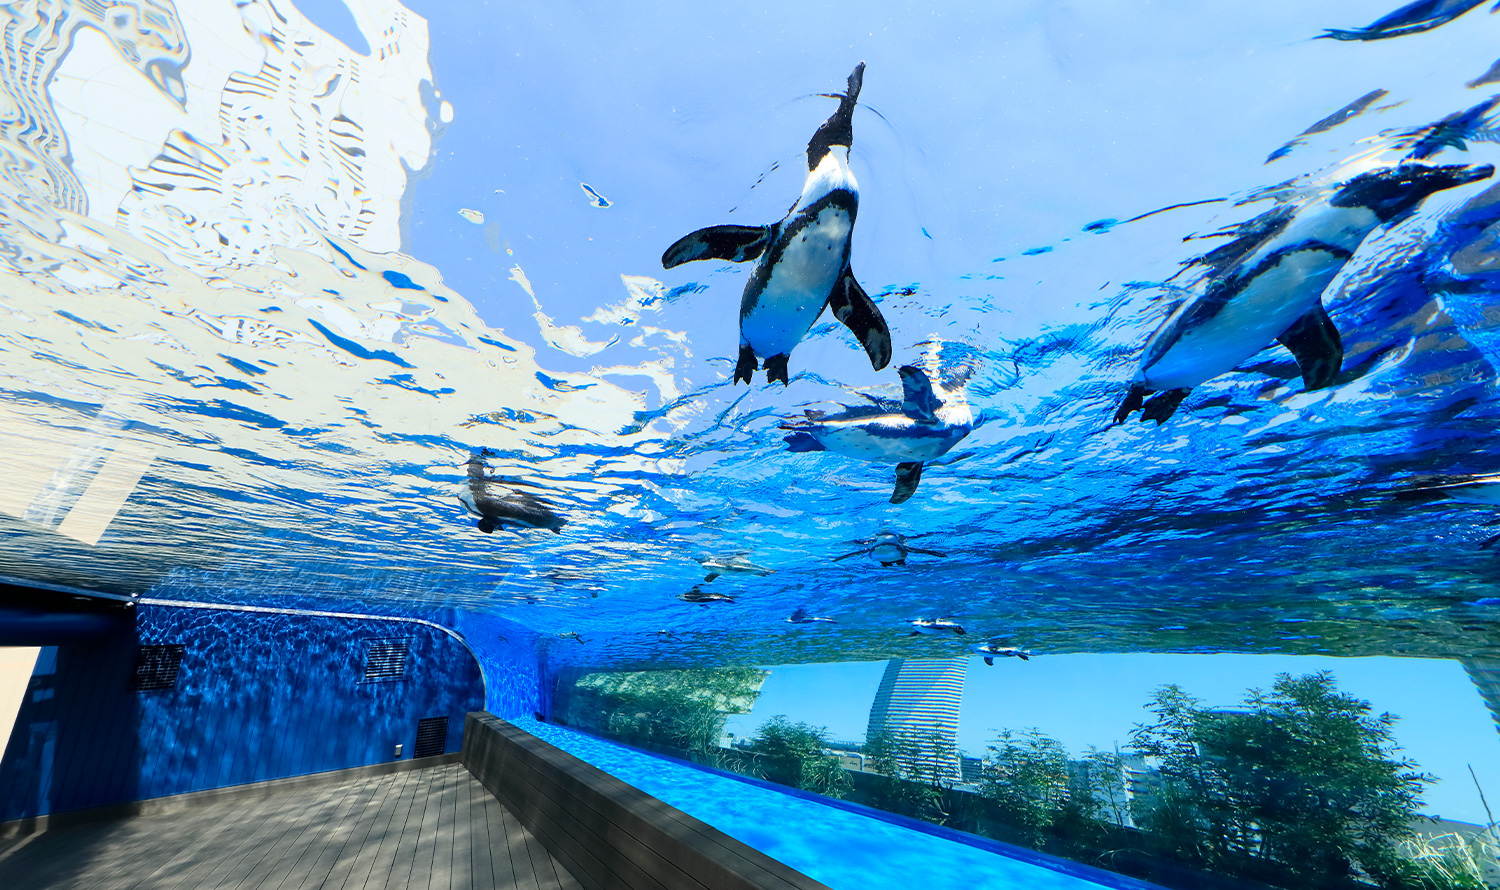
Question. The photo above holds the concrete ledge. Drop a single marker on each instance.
(177, 802)
(607, 833)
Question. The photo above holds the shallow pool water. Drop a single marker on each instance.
(844, 846)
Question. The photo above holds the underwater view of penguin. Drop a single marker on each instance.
(1036, 317)
(1265, 286)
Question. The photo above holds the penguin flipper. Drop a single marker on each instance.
(1315, 343)
(928, 552)
(854, 308)
(800, 441)
(918, 401)
(711, 576)
(989, 660)
(737, 244)
(907, 476)
(855, 553)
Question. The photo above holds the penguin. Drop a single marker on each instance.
(571, 635)
(699, 595)
(1484, 490)
(496, 510)
(991, 650)
(801, 617)
(736, 564)
(936, 626)
(1266, 285)
(1413, 18)
(921, 429)
(803, 260)
(889, 549)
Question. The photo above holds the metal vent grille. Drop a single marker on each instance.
(156, 667)
(432, 736)
(385, 660)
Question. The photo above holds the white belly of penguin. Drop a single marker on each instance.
(804, 275)
(884, 442)
(1248, 323)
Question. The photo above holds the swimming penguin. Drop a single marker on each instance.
(919, 430)
(699, 595)
(1484, 490)
(992, 650)
(1267, 284)
(737, 564)
(889, 549)
(496, 510)
(801, 617)
(1413, 18)
(803, 260)
(572, 635)
(936, 626)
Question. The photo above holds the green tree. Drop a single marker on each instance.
(794, 754)
(1027, 774)
(917, 769)
(1316, 774)
(683, 710)
(1303, 776)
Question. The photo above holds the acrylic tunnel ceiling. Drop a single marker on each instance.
(1163, 326)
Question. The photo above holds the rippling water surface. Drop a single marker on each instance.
(269, 287)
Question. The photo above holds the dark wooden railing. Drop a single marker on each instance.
(607, 833)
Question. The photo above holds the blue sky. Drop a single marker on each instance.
(1084, 700)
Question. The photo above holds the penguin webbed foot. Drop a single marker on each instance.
(1162, 405)
(1133, 401)
(745, 368)
(776, 369)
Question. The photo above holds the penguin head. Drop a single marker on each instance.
(838, 129)
(1392, 191)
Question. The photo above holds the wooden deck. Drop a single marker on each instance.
(427, 828)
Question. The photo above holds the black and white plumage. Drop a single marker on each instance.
(1413, 18)
(936, 626)
(803, 259)
(889, 549)
(498, 507)
(699, 595)
(801, 617)
(991, 650)
(726, 564)
(920, 429)
(1267, 286)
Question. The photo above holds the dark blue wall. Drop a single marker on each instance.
(258, 696)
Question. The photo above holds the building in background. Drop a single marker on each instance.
(1486, 677)
(917, 706)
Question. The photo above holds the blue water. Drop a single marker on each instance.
(845, 848)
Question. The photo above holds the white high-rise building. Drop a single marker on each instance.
(918, 703)
(1486, 676)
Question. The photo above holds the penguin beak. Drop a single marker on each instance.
(1454, 175)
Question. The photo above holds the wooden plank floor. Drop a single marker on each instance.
(432, 828)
